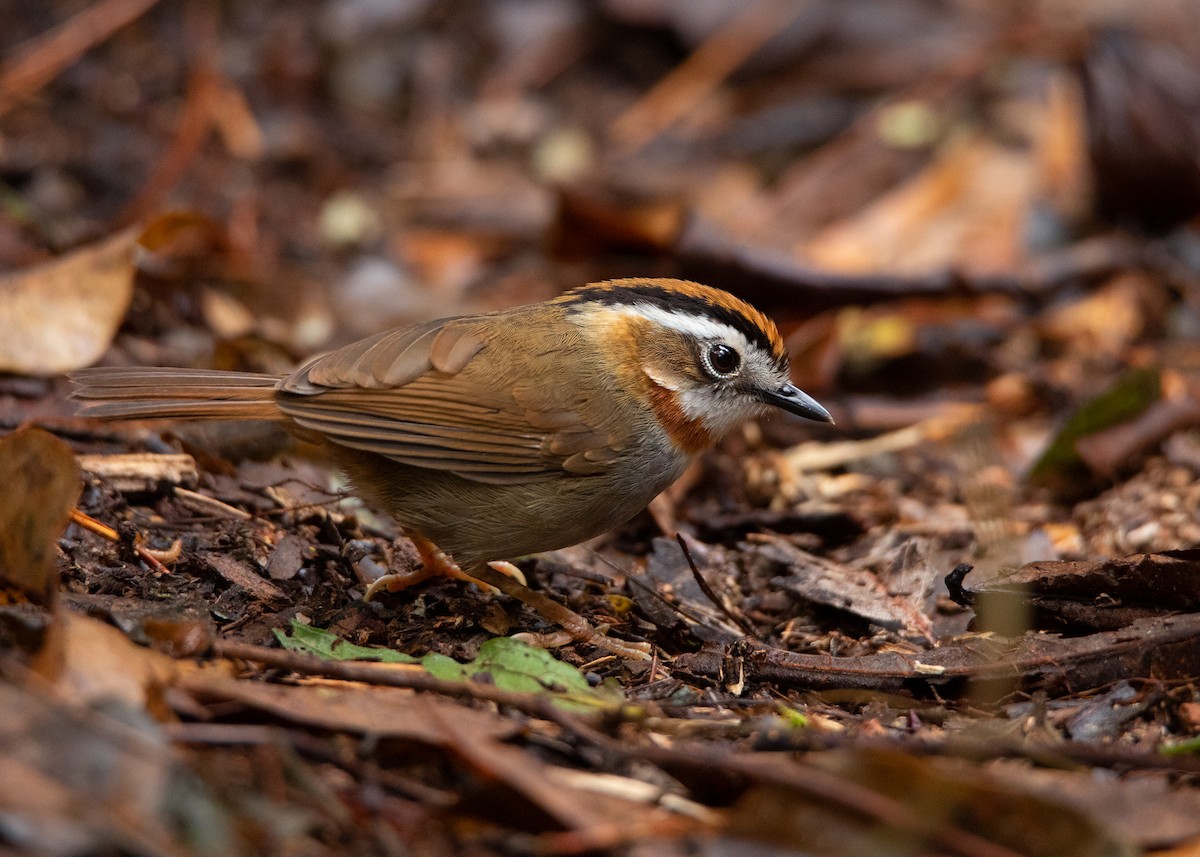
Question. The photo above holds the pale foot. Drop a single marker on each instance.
(436, 563)
(507, 569)
(396, 582)
(501, 576)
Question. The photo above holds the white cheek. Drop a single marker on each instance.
(719, 414)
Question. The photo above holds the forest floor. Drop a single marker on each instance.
(964, 620)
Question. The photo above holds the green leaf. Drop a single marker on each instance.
(791, 717)
(508, 664)
(1186, 747)
(521, 668)
(1060, 468)
(331, 647)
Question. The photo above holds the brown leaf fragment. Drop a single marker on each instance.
(1106, 320)
(40, 486)
(178, 637)
(181, 244)
(74, 780)
(90, 661)
(671, 597)
(587, 222)
(287, 558)
(963, 211)
(1001, 814)
(509, 783)
(62, 315)
(385, 712)
(1148, 811)
(962, 812)
(516, 786)
(844, 587)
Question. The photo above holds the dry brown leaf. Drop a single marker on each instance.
(89, 662)
(919, 806)
(1060, 149)
(1187, 849)
(965, 211)
(41, 484)
(1147, 810)
(1106, 320)
(844, 587)
(62, 315)
(385, 712)
(535, 791)
(74, 780)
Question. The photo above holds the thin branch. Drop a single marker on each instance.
(43, 58)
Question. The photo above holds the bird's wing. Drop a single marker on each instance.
(438, 396)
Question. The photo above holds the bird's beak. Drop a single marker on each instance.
(795, 401)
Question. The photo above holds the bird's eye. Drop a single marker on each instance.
(720, 360)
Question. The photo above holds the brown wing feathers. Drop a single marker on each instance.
(432, 422)
(402, 394)
(386, 360)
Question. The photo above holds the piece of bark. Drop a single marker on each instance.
(140, 471)
(1108, 594)
(241, 574)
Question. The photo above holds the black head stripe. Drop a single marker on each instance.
(694, 301)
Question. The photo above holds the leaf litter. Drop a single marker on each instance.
(935, 207)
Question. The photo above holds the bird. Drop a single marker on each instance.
(493, 436)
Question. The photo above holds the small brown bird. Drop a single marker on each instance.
(524, 430)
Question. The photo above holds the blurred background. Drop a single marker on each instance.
(944, 203)
(351, 164)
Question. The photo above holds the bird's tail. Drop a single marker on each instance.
(164, 393)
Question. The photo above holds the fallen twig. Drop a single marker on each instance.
(1148, 647)
(41, 59)
(695, 78)
(155, 559)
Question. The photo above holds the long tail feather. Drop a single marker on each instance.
(164, 393)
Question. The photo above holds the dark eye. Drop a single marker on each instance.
(721, 360)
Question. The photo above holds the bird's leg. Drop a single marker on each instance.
(507, 578)
(500, 575)
(435, 562)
